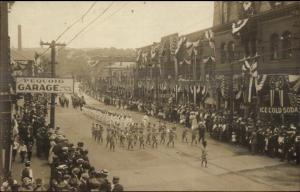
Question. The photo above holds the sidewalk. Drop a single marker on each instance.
(40, 168)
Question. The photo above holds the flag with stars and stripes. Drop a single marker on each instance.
(224, 87)
(173, 44)
(294, 94)
(294, 99)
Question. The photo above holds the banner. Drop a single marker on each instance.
(278, 110)
(43, 85)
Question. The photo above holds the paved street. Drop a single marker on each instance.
(229, 167)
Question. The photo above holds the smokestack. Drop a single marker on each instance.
(19, 38)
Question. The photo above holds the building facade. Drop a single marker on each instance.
(246, 63)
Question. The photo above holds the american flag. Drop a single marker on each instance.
(294, 99)
(225, 87)
(173, 44)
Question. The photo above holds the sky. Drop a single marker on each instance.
(125, 24)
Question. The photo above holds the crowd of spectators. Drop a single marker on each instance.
(258, 135)
(69, 164)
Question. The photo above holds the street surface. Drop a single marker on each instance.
(179, 168)
(175, 169)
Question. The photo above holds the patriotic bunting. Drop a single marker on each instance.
(238, 26)
(276, 86)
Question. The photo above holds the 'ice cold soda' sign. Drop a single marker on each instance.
(43, 85)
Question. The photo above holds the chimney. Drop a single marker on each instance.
(19, 38)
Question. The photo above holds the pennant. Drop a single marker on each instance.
(180, 44)
(154, 51)
(139, 56)
(260, 82)
(210, 37)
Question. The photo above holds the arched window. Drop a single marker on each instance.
(223, 52)
(274, 43)
(286, 45)
(231, 50)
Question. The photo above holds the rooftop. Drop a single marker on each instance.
(120, 65)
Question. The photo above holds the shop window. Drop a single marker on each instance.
(223, 52)
(274, 43)
(286, 42)
(231, 51)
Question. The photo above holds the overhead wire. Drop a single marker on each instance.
(70, 26)
(116, 11)
(90, 23)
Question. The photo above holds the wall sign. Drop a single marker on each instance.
(279, 110)
(43, 85)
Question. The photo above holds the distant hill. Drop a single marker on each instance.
(77, 61)
(72, 61)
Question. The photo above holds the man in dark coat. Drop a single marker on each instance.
(116, 185)
(104, 183)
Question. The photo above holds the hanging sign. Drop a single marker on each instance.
(43, 85)
(278, 110)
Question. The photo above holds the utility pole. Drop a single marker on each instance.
(5, 95)
(52, 45)
(231, 93)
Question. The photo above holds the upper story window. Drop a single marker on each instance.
(274, 46)
(231, 50)
(223, 52)
(286, 45)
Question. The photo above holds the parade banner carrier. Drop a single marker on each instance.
(43, 85)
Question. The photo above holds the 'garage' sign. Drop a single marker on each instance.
(43, 85)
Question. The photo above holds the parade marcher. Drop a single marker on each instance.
(163, 134)
(204, 154)
(122, 138)
(142, 140)
(172, 136)
(93, 131)
(194, 136)
(184, 135)
(108, 135)
(116, 186)
(202, 129)
(100, 134)
(154, 139)
(130, 141)
(148, 137)
(112, 142)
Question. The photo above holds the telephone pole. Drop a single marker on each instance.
(5, 95)
(52, 45)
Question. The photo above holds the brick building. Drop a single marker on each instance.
(242, 63)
